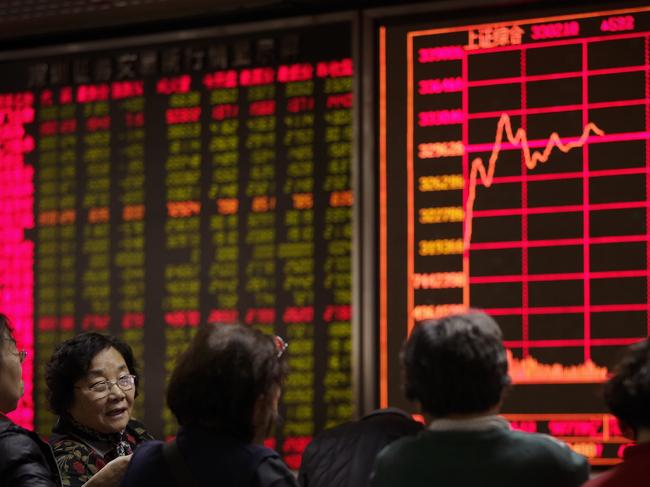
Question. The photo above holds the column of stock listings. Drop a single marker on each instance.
(519, 150)
(147, 191)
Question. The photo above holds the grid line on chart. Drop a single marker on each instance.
(549, 77)
(563, 276)
(547, 310)
(646, 56)
(537, 143)
(525, 325)
(586, 252)
(558, 108)
(553, 242)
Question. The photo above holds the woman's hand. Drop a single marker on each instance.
(112, 473)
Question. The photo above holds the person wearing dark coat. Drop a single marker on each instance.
(456, 368)
(25, 459)
(224, 392)
(343, 456)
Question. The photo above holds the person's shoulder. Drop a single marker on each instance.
(332, 439)
(147, 465)
(11, 429)
(407, 447)
(6, 424)
(23, 460)
(16, 441)
(405, 444)
(75, 458)
(68, 445)
(148, 449)
(272, 471)
(540, 441)
(394, 461)
(547, 450)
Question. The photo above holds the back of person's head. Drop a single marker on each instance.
(226, 372)
(627, 393)
(456, 365)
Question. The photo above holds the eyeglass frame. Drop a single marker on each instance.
(110, 384)
(281, 345)
(21, 354)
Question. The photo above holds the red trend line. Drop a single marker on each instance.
(531, 158)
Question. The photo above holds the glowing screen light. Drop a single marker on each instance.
(519, 152)
(16, 250)
(150, 189)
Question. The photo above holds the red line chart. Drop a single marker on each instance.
(515, 178)
(542, 146)
(531, 159)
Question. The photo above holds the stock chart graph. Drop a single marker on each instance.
(524, 185)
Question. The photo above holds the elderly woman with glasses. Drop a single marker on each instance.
(92, 383)
(224, 392)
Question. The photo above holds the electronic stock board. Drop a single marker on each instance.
(513, 177)
(148, 187)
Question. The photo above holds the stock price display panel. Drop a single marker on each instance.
(150, 189)
(514, 167)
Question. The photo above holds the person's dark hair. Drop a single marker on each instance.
(71, 361)
(627, 392)
(219, 378)
(456, 364)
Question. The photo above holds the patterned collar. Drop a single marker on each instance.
(106, 444)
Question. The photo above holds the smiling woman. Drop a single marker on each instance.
(92, 383)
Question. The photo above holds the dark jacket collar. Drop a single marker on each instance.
(5, 422)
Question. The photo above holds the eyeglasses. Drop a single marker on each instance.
(280, 345)
(22, 355)
(103, 387)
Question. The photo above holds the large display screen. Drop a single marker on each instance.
(149, 188)
(514, 176)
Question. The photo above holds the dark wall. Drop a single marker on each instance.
(46, 22)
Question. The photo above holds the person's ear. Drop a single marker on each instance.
(505, 392)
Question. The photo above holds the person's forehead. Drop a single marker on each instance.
(107, 360)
